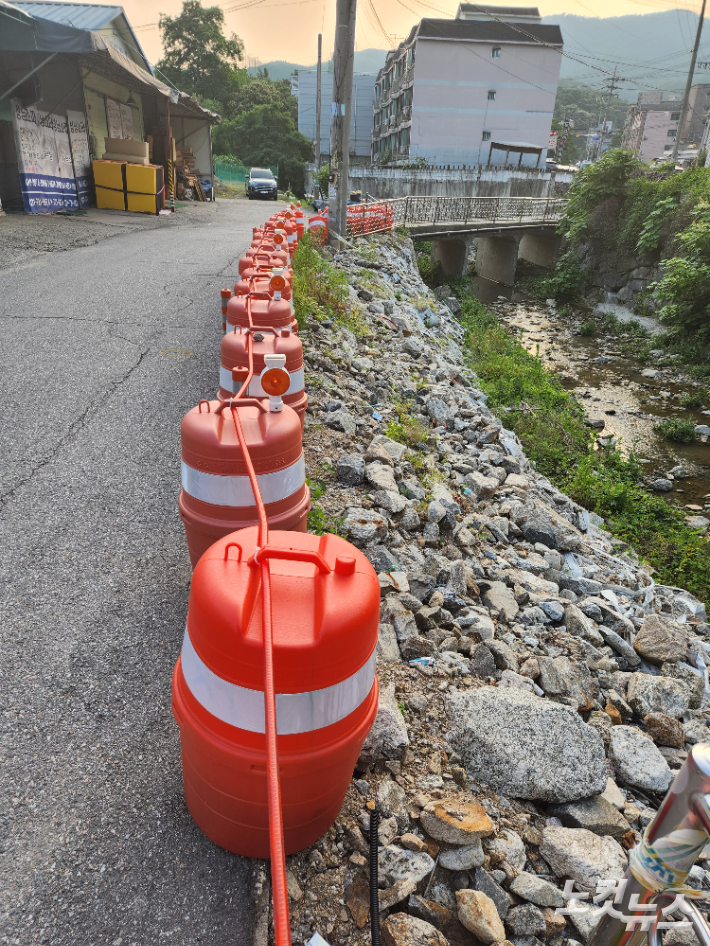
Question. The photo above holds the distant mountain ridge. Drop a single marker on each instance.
(366, 61)
(651, 50)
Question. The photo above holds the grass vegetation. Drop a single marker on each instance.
(692, 400)
(405, 428)
(550, 424)
(319, 522)
(678, 429)
(320, 290)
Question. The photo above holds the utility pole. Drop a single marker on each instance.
(688, 83)
(316, 150)
(343, 58)
(613, 85)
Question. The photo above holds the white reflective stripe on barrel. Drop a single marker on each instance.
(295, 712)
(237, 491)
(255, 389)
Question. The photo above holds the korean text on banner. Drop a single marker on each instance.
(80, 154)
(113, 116)
(46, 173)
(127, 121)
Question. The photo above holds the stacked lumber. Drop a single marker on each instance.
(185, 162)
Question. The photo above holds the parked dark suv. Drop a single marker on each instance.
(261, 183)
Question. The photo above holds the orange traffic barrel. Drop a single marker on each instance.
(266, 253)
(325, 609)
(216, 496)
(234, 364)
(267, 312)
(260, 282)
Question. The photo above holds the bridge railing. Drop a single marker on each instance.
(378, 216)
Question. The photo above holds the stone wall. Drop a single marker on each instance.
(621, 278)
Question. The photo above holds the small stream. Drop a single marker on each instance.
(611, 388)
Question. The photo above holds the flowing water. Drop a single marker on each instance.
(610, 387)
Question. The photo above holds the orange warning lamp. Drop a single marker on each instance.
(278, 281)
(275, 380)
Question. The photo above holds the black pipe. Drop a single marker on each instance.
(374, 886)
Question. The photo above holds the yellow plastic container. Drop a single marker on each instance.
(110, 185)
(144, 188)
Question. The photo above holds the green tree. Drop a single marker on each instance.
(684, 289)
(260, 90)
(594, 186)
(264, 136)
(199, 58)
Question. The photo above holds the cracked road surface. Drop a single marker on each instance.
(105, 347)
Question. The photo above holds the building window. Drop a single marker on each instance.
(486, 136)
(675, 116)
(491, 95)
(671, 132)
(495, 52)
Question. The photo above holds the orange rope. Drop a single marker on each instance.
(282, 924)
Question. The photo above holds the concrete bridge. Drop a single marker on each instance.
(504, 230)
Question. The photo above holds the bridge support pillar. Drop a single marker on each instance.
(452, 254)
(497, 256)
(540, 248)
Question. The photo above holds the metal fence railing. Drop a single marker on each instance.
(235, 173)
(374, 217)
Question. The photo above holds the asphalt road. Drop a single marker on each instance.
(104, 348)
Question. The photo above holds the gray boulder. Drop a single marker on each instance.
(498, 597)
(364, 526)
(388, 737)
(483, 881)
(340, 420)
(525, 746)
(525, 920)
(637, 760)
(381, 477)
(396, 864)
(536, 890)
(582, 856)
(400, 617)
(595, 814)
(647, 694)
(661, 640)
(440, 412)
(387, 646)
(351, 469)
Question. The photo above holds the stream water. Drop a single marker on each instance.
(611, 388)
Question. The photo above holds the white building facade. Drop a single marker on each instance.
(455, 91)
(303, 85)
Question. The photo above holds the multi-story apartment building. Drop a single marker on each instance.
(303, 85)
(652, 123)
(456, 90)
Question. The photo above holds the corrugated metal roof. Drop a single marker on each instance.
(82, 16)
(89, 16)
